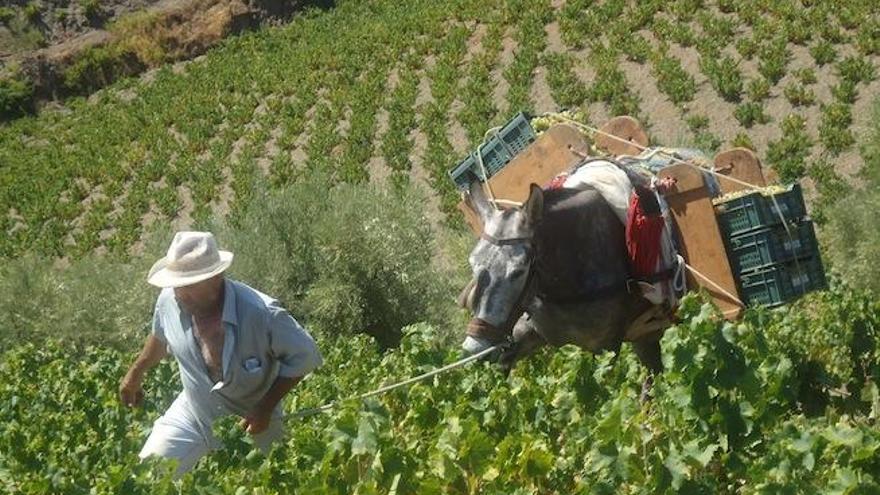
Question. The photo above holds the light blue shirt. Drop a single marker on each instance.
(262, 341)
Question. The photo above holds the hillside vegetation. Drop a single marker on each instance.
(399, 92)
(318, 151)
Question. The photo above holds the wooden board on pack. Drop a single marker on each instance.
(629, 136)
(702, 243)
(740, 164)
(544, 159)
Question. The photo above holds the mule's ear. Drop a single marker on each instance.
(534, 206)
(477, 200)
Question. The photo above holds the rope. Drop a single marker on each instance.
(674, 158)
(461, 362)
(713, 284)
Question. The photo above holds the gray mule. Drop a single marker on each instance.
(555, 271)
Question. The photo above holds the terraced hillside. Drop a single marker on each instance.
(382, 91)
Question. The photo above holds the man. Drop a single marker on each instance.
(238, 352)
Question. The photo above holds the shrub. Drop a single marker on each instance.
(788, 154)
(830, 186)
(673, 80)
(91, 8)
(348, 258)
(96, 299)
(856, 69)
(758, 89)
(6, 15)
(834, 127)
(99, 66)
(868, 37)
(773, 59)
(747, 47)
(724, 76)
(844, 91)
(742, 140)
(799, 95)
(806, 75)
(823, 52)
(751, 113)
(33, 12)
(16, 97)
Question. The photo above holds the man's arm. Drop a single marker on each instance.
(258, 419)
(131, 392)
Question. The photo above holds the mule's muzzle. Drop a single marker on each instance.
(483, 330)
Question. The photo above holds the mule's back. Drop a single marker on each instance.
(581, 247)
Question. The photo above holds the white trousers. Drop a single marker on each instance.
(182, 434)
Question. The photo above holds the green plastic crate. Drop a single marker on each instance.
(782, 283)
(754, 211)
(754, 250)
(497, 152)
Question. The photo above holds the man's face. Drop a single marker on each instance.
(201, 298)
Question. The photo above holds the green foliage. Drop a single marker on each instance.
(773, 59)
(851, 230)
(724, 76)
(97, 67)
(567, 90)
(91, 8)
(758, 89)
(742, 140)
(751, 113)
(805, 76)
(755, 405)
(611, 85)
(16, 97)
(823, 52)
(868, 37)
(677, 32)
(831, 187)
(636, 48)
(788, 155)
(845, 92)
(747, 47)
(672, 79)
(94, 300)
(33, 11)
(799, 95)
(6, 15)
(348, 258)
(834, 127)
(856, 69)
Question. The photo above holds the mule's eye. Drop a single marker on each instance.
(517, 272)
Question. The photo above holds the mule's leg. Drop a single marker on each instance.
(648, 352)
(526, 340)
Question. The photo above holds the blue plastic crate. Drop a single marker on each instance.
(782, 283)
(754, 211)
(754, 250)
(515, 136)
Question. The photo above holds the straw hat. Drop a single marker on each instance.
(191, 258)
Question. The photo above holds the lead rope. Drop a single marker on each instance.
(302, 413)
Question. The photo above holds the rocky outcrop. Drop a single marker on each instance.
(177, 30)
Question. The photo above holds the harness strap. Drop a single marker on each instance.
(504, 242)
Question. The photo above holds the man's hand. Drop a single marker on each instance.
(256, 421)
(131, 391)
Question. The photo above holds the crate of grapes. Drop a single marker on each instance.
(515, 136)
(760, 209)
(766, 246)
(780, 283)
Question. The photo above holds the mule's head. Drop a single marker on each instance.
(501, 263)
